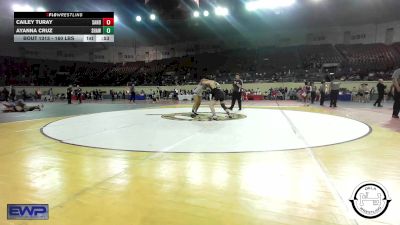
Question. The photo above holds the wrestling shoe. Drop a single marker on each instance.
(229, 113)
(194, 114)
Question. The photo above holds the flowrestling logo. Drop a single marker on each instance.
(27, 211)
(370, 199)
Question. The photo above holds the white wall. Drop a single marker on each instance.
(374, 33)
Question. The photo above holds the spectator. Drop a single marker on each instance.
(5, 94)
(12, 93)
(24, 95)
(313, 92)
(112, 95)
(381, 93)
(69, 94)
(78, 93)
(38, 94)
(132, 92)
(322, 92)
(51, 94)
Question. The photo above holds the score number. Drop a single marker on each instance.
(108, 30)
(108, 25)
(108, 21)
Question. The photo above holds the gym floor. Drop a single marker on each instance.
(204, 174)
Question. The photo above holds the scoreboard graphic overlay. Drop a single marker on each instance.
(63, 26)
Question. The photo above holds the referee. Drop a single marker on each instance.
(237, 92)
